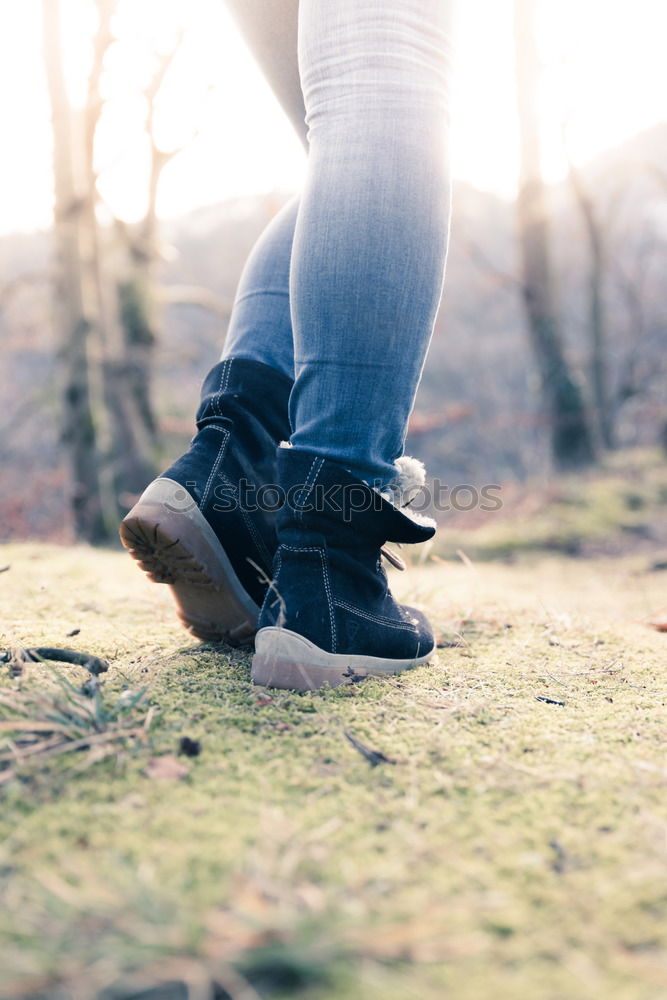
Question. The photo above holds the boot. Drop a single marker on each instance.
(329, 617)
(198, 527)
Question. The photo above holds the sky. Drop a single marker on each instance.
(604, 73)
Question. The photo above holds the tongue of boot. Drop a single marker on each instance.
(325, 498)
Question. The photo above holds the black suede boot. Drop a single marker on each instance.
(329, 616)
(198, 527)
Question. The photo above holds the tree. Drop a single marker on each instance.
(571, 440)
(598, 361)
(129, 374)
(72, 299)
(105, 298)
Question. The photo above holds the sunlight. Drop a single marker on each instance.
(604, 76)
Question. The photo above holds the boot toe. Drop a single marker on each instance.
(423, 631)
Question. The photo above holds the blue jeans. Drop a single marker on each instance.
(342, 288)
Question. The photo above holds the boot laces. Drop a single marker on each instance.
(392, 557)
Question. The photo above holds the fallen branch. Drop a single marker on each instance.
(19, 655)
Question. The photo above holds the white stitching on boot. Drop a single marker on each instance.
(216, 464)
(378, 619)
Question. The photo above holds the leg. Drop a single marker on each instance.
(371, 233)
(366, 277)
(270, 29)
(260, 327)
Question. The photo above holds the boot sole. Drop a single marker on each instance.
(173, 543)
(285, 659)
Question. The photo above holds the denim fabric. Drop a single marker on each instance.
(260, 327)
(346, 281)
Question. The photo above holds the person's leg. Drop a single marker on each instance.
(260, 326)
(270, 28)
(370, 243)
(366, 277)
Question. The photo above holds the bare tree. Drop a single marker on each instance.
(138, 300)
(571, 441)
(72, 299)
(598, 359)
(125, 338)
(108, 292)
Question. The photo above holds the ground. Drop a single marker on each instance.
(493, 825)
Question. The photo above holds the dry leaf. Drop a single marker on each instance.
(444, 640)
(166, 768)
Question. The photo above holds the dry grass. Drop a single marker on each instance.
(618, 508)
(512, 846)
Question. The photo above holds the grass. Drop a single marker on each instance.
(511, 845)
(618, 507)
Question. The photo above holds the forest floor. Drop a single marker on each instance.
(490, 826)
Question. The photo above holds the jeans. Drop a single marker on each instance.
(342, 288)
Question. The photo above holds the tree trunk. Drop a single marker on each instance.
(131, 374)
(599, 375)
(129, 382)
(136, 297)
(128, 452)
(72, 307)
(571, 442)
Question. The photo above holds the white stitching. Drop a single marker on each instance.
(374, 618)
(305, 488)
(227, 374)
(214, 469)
(224, 376)
(252, 530)
(216, 401)
(378, 619)
(325, 578)
(298, 548)
(327, 587)
(308, 486)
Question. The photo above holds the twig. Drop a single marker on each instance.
(374, 757)
(36, 654)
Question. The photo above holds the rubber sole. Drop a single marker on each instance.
(285, 659)
(174, 544)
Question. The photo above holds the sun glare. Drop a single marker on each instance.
(605, 78)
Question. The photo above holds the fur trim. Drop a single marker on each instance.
(404, 487)
(409, 478)
(406, 484)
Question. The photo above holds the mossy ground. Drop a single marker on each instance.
(512, 848)
(618, 506)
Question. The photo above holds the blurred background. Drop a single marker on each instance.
(143, 154)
